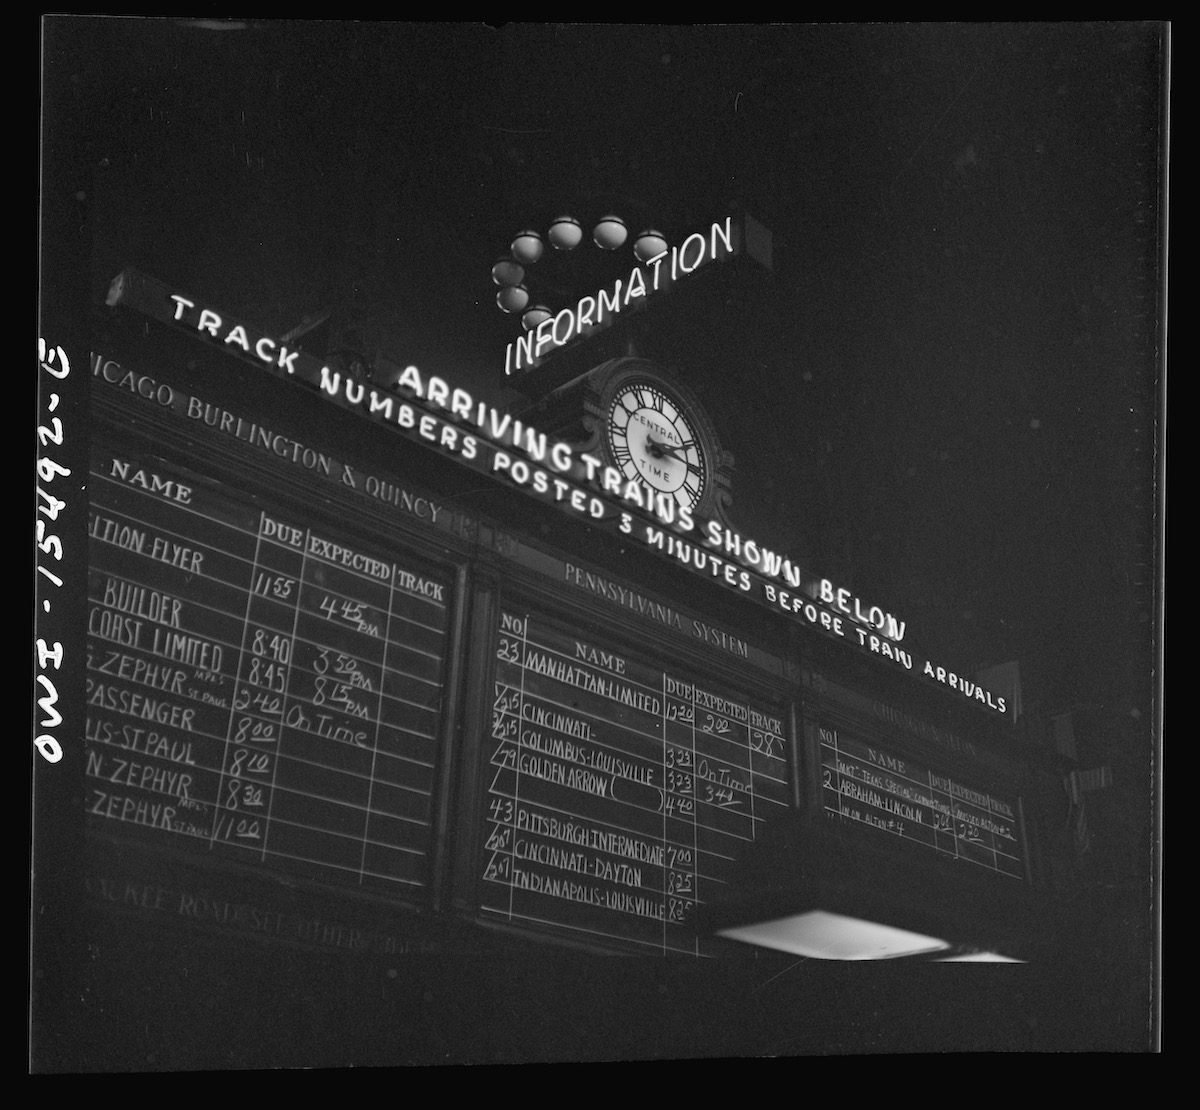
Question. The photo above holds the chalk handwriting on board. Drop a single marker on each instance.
(312, 716)
(618, 794)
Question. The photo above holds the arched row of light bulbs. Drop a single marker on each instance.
(565, 234)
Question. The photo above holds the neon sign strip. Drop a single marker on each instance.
(483, 437)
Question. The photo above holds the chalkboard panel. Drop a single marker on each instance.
(867, 786)
(617, 791)
(261, 687)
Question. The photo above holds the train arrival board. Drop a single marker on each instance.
(871, 787)
(618, 791)
(260, 687)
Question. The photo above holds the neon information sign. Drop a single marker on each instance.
(592, 313)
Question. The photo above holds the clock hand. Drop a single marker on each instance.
(659, 449)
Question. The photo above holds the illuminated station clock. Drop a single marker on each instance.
(647, 423)
(650, 436)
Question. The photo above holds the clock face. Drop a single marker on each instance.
(651, 439)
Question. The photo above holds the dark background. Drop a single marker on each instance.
(946, 395)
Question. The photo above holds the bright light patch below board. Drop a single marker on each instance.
(830, 936)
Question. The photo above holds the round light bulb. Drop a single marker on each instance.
(513, 298)
(527, 247)
(649, 244)
(508, 272)
(565, 233)
(610, 233)
(534, 315)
